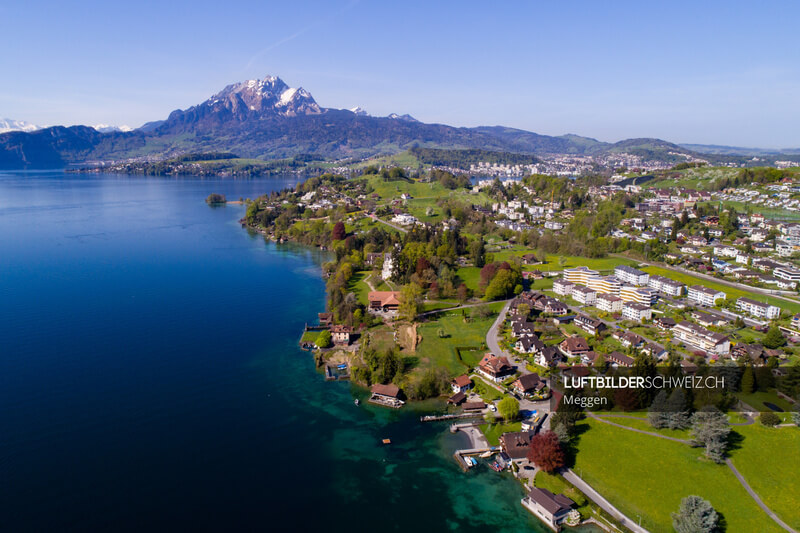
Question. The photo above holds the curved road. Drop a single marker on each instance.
(604, 504)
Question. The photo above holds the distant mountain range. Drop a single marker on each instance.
(7, 124)
(267, 119)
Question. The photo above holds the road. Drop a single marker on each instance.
(395, 226)
(604, 504)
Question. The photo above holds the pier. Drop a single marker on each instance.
(436, 418)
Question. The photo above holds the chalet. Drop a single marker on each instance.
(619, 359)
(461, 383)
(749, 353)
(551, 508)
(386, 301)
(522, 328)
(547, 357)
(529, 344)
(341, 334)
(495, 368)
(656, 351)
(664, 323)
(387, 395)
(628, 339)
(574, 346)
(588, 324)
(516, 445)
(529, 384)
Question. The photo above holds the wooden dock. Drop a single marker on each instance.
(459, 455)
(436, 418)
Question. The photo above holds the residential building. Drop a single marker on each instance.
(386, 301)
(709, 319)
(563, 287)
(636, 311)
(631, 275)
(584, 295)
(388, 267)
(579, 275)
(699, 337)
(588, 324)
(516, 445)
(789, 274)
(704, 296)
(574, 346)
(495, 368)
(547, 356)
(529, 384)
(609, 303)
(340, 334)
(758, 309)
(388, 395)
(665, 323)
(619, 359)
(795, 324)
(667, 286)
(643, 295)
(461, 383)
(551, 508)
(605, 284)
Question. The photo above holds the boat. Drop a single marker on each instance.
(486, 454)
(387, 441)
(473, 461)
(357, 401)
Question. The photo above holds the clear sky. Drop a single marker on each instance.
(700, 71)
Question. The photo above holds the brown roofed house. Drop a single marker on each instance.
(495, 368)
(387, 395)
(384, 300)
(574, 346)
(517, 444)
(461, 383)
(340, 334)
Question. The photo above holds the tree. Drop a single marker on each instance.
(508, 408)
(546, 452)
(324, 339)
(796, 414)
(695, 515)
(774, 338)
(501, 285)
(710, 428)
(524, 310)
(461, 293)
(769, 419)
(657, 415)
(478, 252)
(339, 232)
(678, 410)
(410, 301)
(748, 383)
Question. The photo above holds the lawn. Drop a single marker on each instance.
(553, 261)
(768, 458)
(644, 476)
(441, 351)
(358, 286)
(756, 401)
(733, 293)
(469, 276)
(309, 336)
(493, 431)
(643, 424)
(482, 389)
(770, 212)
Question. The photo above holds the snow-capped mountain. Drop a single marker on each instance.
(406, 117)
(361, 112)
(6, 125)
(270, 95)
(106, 128)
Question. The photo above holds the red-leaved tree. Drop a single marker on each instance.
(339, 233)
(546, 452)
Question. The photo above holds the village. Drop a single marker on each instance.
(428, 314)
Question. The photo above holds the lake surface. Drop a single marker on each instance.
(150, 378)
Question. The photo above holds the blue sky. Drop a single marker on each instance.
(706, 72)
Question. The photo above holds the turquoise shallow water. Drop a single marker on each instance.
(150, 378)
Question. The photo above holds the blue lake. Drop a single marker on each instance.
(150, 378)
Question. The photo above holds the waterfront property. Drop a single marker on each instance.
(551, 508)
(386, 395)
(461, 384)
(516, 445)
(340, 334)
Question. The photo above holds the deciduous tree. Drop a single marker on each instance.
(546, 452)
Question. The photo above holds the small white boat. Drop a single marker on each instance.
(357, 401)
(486, 455)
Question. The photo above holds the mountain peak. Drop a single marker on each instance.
(267, 96)
(406, 117)
(7, 124)
(359, 111)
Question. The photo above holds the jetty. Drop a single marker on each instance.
(459, 455)
(436, 418)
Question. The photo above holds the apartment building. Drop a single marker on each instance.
(643, 295)
(789, 274)
(605, 284)
(667, 286)
(579, 275)
(631, 275)
(636, 311)
(701, 295)
(609, 303)
(758, 309)
(563, 287)
(584, 295)
(699, 337)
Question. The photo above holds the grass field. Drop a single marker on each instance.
(493, 431)
(756, 401)
(469, 276)
(643, 424)
(552, 263)
(768, 459)
(309, 336)
(646, 477)
(770, 212)
(441, 351)
(359, 287)
(733, 293)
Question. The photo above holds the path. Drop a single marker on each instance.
(604, 504)
(728, 462)
(395, 226)
(757, 499)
